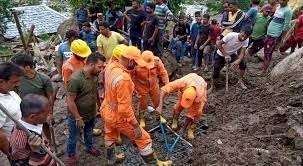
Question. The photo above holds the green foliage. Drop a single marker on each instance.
(216, 7)
(4, 14)
(175, 6)
(57, 5)
(101, 3)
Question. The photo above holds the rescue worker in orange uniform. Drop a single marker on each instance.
(192, 95)
(117, 110)
(80, 51)
(146, 81)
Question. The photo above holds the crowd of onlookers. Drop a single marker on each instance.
(153, 27)
(149, 26)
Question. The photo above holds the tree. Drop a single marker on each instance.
(4, 14)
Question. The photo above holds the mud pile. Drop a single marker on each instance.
(260, 126)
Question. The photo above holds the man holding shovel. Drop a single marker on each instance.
(9, 79)
(192, 95)
(228, 49)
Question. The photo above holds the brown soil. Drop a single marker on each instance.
(246, 127)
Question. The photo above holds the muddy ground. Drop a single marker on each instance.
(246, 127)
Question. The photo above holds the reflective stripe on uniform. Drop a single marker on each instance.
(117, 80)
(71, 67)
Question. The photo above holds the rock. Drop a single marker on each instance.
(253, 119)
(67, 25)
(219, 142)
(281, 110)
(299, 143)
(289, 64)
(169, 62)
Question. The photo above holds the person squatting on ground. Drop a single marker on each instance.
(277, 28)
(228, 49)
(146, 80)
(192, 95)
(10, 75)
(178, 43)
(117, 111)
(256, 41)
(151, 30)
(202, 43)
(26, 150)
(82, 98)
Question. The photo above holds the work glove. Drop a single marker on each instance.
(35, 142)
(137, 131)
(162, 120)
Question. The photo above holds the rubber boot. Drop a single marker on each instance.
(174, 126)
(152, 160)
(142, 119)
(112, 157)
(190, 132)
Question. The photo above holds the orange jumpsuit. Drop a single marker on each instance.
(147, 83)
(190, 80)
(69, 67)
(117, 110)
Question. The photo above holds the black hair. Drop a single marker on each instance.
(105, 25)
(151, 5)
(255, 2)
(9, 69)
(94, 58)
(32, 104)
(206, 15)
(214, 21)
(23, 60)
(87, 24)
(198, 13)
(233, 2)
(136, 1)
(71, 33)
(247, 30)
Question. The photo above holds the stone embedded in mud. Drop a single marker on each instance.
(281, 110)
(299, 143)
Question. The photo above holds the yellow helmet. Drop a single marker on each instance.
(119, 50)
(80, 48)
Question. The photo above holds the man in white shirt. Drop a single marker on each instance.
(231, 49)
(9, 80)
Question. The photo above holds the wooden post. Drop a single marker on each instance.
(31, 33)
(19, 29)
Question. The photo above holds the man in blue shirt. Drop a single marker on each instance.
(251, 14)
(194, 31)
(81, 15)
(89, 36)
(64, 52)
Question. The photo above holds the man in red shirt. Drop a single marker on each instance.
(296, 39)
